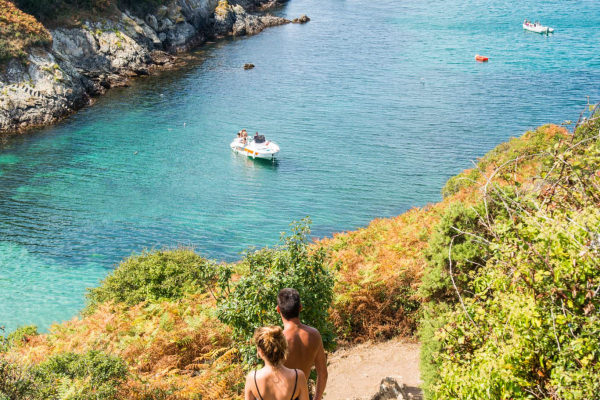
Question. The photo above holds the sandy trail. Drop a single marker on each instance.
(355, 372)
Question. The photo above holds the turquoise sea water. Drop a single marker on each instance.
(374, 104)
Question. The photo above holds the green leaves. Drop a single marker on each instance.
(160, 275)
(66, 376)
(253, 298)
(527, 325)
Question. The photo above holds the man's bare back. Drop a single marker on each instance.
(305, 350)
(305, 345)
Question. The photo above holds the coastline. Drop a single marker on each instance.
(84, 62)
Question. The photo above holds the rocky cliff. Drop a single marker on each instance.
(84, 61)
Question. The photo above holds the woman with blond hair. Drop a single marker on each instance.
(274, 381)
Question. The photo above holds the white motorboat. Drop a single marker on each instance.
(536, 27)
(255, 147)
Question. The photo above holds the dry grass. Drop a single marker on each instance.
(177, 348)
(379, 269)
(223, 8)
(19, 31)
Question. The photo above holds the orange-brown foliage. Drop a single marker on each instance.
(18, 31)
(379, 268)
(178, 347)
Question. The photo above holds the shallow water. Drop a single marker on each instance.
(374, 105)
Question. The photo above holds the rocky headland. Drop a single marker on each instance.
(84, 60)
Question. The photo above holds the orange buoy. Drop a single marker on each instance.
(481, 58)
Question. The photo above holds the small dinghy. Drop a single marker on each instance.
(481, 58)
(537, 27)
(255, 147)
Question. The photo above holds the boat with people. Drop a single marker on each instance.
(255, 147)
(537, 27)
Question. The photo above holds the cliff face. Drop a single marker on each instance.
(85, 61)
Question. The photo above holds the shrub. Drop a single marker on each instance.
(21, 335)
(47, 10)
(67, 376)
(92, 375)
(461, 228)
(16, 383)
(526, 325)
(159, 275)
(141, 7)
(521, 154)
(253, 297)
(19, 31)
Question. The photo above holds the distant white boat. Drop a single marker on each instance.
(257, 147)
(537, 27)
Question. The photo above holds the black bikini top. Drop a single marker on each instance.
(293, 392)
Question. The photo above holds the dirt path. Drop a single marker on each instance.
(355, 372)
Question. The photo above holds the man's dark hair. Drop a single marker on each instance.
(288, 301)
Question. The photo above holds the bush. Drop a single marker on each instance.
(16, 383)
(21, 335)
(49, 10)
(526, 325)
(18, 32)
(253, 299)
(461, 227)
(93, 375)
(156, 276)
(67, 376)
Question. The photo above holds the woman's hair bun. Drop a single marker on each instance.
(272, 343)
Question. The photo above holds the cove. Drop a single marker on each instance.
(374, 105)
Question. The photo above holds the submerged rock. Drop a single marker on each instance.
(301, 20)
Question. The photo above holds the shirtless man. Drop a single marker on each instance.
(305, 346)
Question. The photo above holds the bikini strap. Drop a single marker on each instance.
(295, 384)
(256, 384)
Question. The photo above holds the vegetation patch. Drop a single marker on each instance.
(92, 375)
(252, 299)
(156, 276)
(378, 269)
(513, 283)
(180, 323)
(19, 31)
(223, 8)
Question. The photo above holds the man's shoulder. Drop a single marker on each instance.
(313, 332)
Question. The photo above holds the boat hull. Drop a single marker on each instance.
(264, 151)
(544, 30)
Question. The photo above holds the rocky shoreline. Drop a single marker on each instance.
(83, 62)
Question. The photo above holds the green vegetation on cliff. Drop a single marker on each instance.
(19, 31)
(513, 281)
(22, 21)
(48, 11)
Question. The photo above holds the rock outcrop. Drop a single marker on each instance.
(390, 389)
(85, 61)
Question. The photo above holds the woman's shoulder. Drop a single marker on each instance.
(301, 375)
